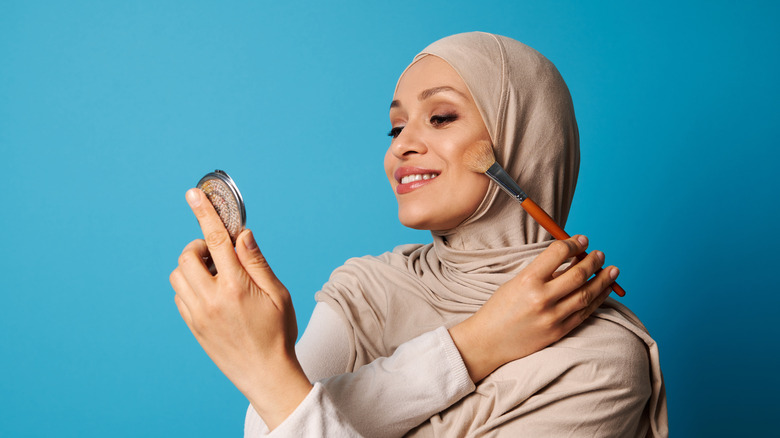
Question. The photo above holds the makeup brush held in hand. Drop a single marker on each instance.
(481, 160)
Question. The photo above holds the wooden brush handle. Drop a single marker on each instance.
(553, 228)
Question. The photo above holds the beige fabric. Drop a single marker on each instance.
(603, 379)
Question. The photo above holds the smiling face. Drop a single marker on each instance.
(434, 122)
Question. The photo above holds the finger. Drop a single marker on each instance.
(255, 264)
(565, 268)
(582, 302)
(182, 287)
(198, 245)
(216, 236)
(556, 254)
(577, 275)
(192, 263)
(184, 311)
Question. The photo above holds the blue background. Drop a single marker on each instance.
(109, 111)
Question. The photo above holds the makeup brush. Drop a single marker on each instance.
(480, 159)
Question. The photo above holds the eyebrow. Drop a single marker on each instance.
(428, 93)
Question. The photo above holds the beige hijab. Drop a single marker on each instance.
(390, 299)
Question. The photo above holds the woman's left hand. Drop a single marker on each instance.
(243, 316)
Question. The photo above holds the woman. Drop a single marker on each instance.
(401, 339)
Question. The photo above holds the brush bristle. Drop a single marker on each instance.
(479, 157)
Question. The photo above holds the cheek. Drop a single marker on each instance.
(478, 185)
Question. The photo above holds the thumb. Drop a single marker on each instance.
(254, 262)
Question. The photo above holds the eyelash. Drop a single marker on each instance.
(443, 118)
(436, 120)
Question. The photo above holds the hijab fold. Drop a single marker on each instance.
(392, 298)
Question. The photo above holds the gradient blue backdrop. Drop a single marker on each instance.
(109, 111)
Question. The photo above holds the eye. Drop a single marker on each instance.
(395, 132)
(443, 119)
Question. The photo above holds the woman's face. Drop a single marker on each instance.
(434, 121)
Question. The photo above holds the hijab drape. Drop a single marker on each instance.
(392, 298)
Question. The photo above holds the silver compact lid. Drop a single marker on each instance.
(226, 199)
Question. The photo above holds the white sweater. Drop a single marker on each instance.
(385, 398)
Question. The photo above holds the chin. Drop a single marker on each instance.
(415, 224)
(414, 220)
(424, 221)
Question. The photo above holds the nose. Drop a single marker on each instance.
(408, 143)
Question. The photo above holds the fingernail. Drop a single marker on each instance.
(192, 198)
(599, 255)
(249, 241)
(613, 273)
(583, 240)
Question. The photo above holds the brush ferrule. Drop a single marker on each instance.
(499, 175)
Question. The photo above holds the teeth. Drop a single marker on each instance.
(411, 178)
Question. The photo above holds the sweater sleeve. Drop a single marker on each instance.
(385, 398)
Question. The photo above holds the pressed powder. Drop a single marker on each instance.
(226, 199)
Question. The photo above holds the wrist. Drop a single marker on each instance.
(278, 392)
(468, 336)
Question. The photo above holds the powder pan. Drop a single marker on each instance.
(224, 195)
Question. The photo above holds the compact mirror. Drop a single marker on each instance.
(226, 199)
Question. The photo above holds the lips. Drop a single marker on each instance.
(412, 178)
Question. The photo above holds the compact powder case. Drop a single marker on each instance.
(227, 201)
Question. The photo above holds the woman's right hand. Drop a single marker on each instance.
(534, 309)
(243, 316)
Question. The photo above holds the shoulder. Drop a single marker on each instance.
(361, 283)
(370, 267)
(599, 354)
(603, 362)
(595, 381)
(607, 347)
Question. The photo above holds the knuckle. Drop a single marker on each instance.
(195, 246)
(174, 277)
(260, 263)
(189, 256)
(197, 326)
(603, 281)
(558, 332)
(522, 281)
(570, 324)
(231, 285)
(216, 238)
(537, 302)
(184, 257)
(585, 297)
(550, 323)
(236, 287)
(579, 274)
(560, 248)
(603, 294)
